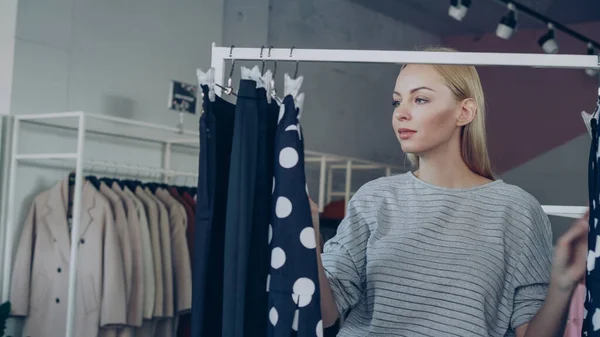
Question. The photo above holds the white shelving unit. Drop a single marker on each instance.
(84, 124)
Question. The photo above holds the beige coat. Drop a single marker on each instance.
(153, 221)
(165, 245)
(181, 257)
(164, 327)
(136, 300)
(149, 282)
(125, 242)
(41, 270)
(182, 276)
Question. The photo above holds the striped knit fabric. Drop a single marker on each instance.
(413, 259)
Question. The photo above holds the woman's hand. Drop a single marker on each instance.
(570, 254)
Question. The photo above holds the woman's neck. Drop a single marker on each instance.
(446, 168)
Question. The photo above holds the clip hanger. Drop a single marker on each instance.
(587, 118)
(207, 78)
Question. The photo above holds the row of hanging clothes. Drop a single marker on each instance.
(134, 263)
(255, 265)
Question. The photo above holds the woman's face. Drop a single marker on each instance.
(426, 112)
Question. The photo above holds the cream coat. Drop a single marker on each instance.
(181, 256)
(149, 281)
(41, 269)
(154, 226)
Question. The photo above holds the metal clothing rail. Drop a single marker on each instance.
(221, 54)
(79, 121)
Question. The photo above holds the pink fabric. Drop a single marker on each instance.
(575, 320)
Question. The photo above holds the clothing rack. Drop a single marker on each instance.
(222, 54)
(329, 163)
(80, 122)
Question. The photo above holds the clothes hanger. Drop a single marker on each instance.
(228, 90)
(207, 78)
(94, 181)
(262, 69)
(589, 119)
(297, 63)
(273, 92)
(72, 178)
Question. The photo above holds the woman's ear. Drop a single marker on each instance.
(468, 110)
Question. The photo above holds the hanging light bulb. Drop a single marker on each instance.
(458, 9)
(591, 51)
(548, 41)
(508, 23)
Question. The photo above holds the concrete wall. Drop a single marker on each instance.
(8, 23)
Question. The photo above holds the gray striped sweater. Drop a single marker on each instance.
(414, 259)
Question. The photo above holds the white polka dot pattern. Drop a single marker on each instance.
(277, 258)
(273, 316)
(304, 300)
(304, 286)
(307, 237)
(320, 329)
(283, 208)
(301, 300)
(291, 237)
(281, 113)
(270, 233)
(295, 322)
(288, 157)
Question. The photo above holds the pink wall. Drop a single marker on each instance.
(531, 111)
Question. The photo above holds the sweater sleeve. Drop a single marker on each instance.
(344, 256)
(531, 272)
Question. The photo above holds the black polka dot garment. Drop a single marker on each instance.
(591, 322)
(294, 304)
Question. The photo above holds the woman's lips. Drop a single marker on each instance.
(406, 133)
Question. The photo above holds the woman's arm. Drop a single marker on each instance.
(328, 307)
(552, 317)
(568, 269)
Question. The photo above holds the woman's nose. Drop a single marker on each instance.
(402, 113)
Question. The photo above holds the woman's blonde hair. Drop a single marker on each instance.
(464, 83)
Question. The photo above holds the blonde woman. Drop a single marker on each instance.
(447, 250)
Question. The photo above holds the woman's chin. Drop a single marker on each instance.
(407, 148)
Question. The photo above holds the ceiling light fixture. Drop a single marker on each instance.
(508, 24)
(458, 9)
(548, 41)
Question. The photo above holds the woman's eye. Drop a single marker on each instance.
(396, 104)
(421, 100)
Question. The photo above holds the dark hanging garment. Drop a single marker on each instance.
(256, 306)
(240, 208)
(293, 284)
(216, 134)
(591, 322)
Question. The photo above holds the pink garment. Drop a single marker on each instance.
(575, 320)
